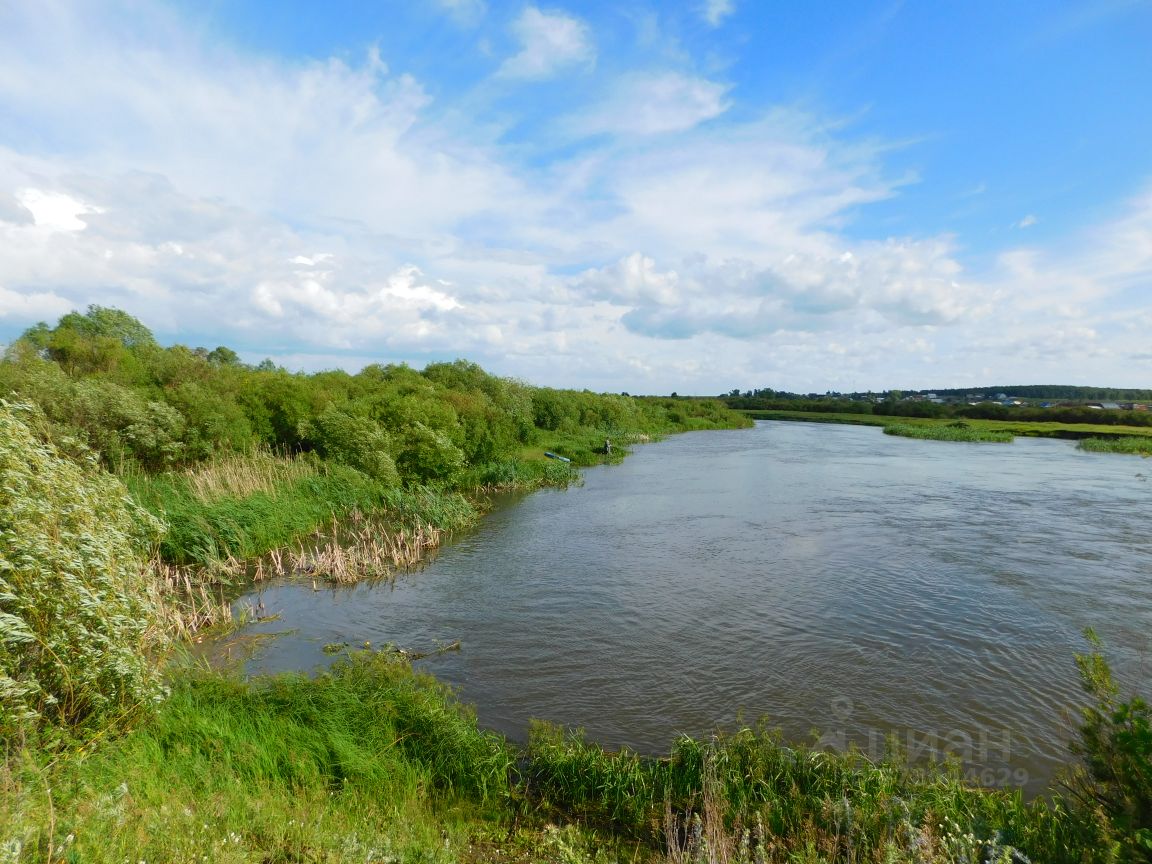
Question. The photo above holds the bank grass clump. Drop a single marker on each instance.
(519, 475)
(1137, 445)
(761, 800)
(1114, 775)
(949, 432)
(77, 608)
(238, 475)
(370, 761)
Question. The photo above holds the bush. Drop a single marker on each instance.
(75, 613)
(354, 440)
(1116, 747)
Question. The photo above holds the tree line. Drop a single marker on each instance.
(104, 383)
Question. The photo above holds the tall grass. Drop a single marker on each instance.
(950, 432)
(1134, 444)
(370, 762)
(762, 801)
(238, 475)
(373, 761)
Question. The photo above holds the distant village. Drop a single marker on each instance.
(1002, 399)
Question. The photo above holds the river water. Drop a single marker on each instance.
(843, 584)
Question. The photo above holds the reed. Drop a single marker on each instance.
(353, 554)
(239, 475)
(1133, 444)
(746, 797)
(187, 602)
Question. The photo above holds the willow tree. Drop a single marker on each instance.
(76, 614)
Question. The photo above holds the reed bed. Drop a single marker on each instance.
(950, 432)
(359, 553)
(187, 601)
(242, 474)
(194, 597)
(1132, 444)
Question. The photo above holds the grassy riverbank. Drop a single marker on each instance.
(1022, 428)
(118, 489)
(375, 762)
(1139, 446)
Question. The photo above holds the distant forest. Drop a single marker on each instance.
(1053, 403)
(1061, 392)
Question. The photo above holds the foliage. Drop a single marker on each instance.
(950, 432)
(75, 604)
(1116, 747)
(1136, 445)
(369, 762)
(784, 803)
(353, 439)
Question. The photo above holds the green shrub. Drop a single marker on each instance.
(355, 440)
(1116, 747)
(428, 455)
(75, 613)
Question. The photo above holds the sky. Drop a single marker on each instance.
(621, 196)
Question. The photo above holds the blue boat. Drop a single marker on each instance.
(552, 455)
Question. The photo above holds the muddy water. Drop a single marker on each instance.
(842, 583)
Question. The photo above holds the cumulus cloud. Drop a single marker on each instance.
(549, 42)
(715, 11)
(334, 212)
(653, 103)
(464, 11)
(905, 283)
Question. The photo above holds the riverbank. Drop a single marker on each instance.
(373, 761)
(1022, 428)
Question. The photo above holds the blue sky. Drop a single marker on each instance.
(622, 196)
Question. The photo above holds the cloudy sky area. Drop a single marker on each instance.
(632, 196)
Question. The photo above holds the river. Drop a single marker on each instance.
(843, 584)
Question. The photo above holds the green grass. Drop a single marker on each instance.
(949, 432)
(368, 762)
(797, 804)
(202, 532)
(375, 762)
(1134, 445)
(371, 762)
(1018, 428)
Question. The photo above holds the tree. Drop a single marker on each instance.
(1116, 747)
(76, 614)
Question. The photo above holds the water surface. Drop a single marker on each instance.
(838, 581)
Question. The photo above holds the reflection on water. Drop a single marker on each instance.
(840, 582)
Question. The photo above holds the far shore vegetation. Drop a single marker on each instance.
(1140, 445)
(959, 431)
(1015, 428)
(139, 484)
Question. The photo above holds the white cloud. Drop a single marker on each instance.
(715, 11)
(1027, 222)
(465, 12)
(55, 210)
(652, 103)
(549, 42)
(339, 209)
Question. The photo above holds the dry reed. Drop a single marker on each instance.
(188, 600)
(192, 597)
(364, 553)
(243, 474)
